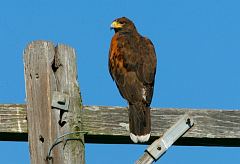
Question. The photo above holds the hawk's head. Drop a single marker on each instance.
(123, 24)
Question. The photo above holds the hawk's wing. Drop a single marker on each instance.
(147, 63)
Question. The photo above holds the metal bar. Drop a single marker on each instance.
(160, 146)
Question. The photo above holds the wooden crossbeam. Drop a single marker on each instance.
(110, 125)
(13, 122)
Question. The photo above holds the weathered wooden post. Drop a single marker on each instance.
(53, 104)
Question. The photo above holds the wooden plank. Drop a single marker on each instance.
(109, 125)
(49, 69)
(66, 77)
(13, 122)
(211, 127)
(42, 120)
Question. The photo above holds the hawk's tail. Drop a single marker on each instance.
(139, 122)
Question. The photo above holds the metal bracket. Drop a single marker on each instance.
(62, 139)
(60, 101)
(160, 146)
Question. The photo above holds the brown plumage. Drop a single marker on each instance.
(132, 65)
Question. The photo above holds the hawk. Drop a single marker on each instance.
(132, 65)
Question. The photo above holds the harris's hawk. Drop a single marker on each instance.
(132, 65)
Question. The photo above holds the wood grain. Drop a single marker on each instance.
(106, 124)
(38, 57)
(51, 69)
(211, 127)
(66, 78)
(13, 122)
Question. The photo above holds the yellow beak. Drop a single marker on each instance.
(116, 24)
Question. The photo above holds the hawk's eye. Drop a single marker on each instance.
(121, 22)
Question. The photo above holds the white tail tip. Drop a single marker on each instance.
(141, 139)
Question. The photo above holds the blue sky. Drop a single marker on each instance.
(198, 50)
